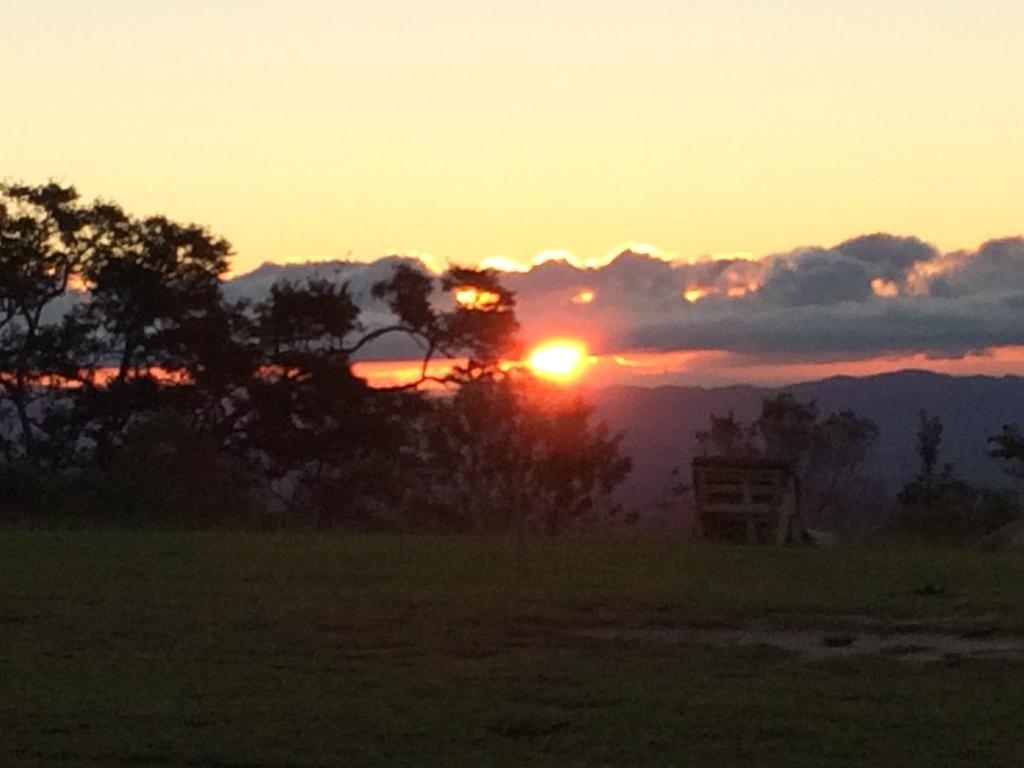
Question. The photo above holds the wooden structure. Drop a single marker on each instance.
(752, 500)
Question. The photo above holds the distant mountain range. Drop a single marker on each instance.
(660, 424)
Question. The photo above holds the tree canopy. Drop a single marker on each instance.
(1009, 446)
(824, 454)
(121, 362)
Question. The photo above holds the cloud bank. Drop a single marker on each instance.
(872, 295)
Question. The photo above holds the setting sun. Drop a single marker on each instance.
(560, 360)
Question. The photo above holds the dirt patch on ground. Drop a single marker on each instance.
(837, 638)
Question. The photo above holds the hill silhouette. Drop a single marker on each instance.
(660, 424)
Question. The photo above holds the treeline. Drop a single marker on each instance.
(828, 455)
(937, 504)
(132, 391)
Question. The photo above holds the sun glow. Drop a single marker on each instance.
(78, 284)
(696, 293)
(586, 296)
(559, 360)
(474, 298)
(885, 288)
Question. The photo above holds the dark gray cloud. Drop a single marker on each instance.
(887, 256)
(847, 272)
(870, 295)
(816, 277)
(946, 328)
(997, 266)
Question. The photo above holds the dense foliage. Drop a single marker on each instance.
(828, 454)
(132, 390)
(1009, 446)
(938, 505)
(824, 453)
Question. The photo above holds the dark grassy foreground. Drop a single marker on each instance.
(276, 650)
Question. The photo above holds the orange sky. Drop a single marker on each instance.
(715, 368)
(493, 128)
(496, 132)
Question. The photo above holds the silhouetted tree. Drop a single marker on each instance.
(342, 450)
(44, 243)
(1009, 446)
(76, 367)
(726, 436)
(482, 332)
(840, 446)
(318, 432)
(166, 472)
(511, 454)
(122, 365)
(942, 507)
(929, 438)
(787, 429)
(939, 505)
(826, 455)
(154, 291)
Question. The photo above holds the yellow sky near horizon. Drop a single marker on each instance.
(474, 129)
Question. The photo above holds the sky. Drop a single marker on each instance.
(870, 304)
(468, 130)
(504, 133)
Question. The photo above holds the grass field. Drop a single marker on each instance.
(217, 649)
